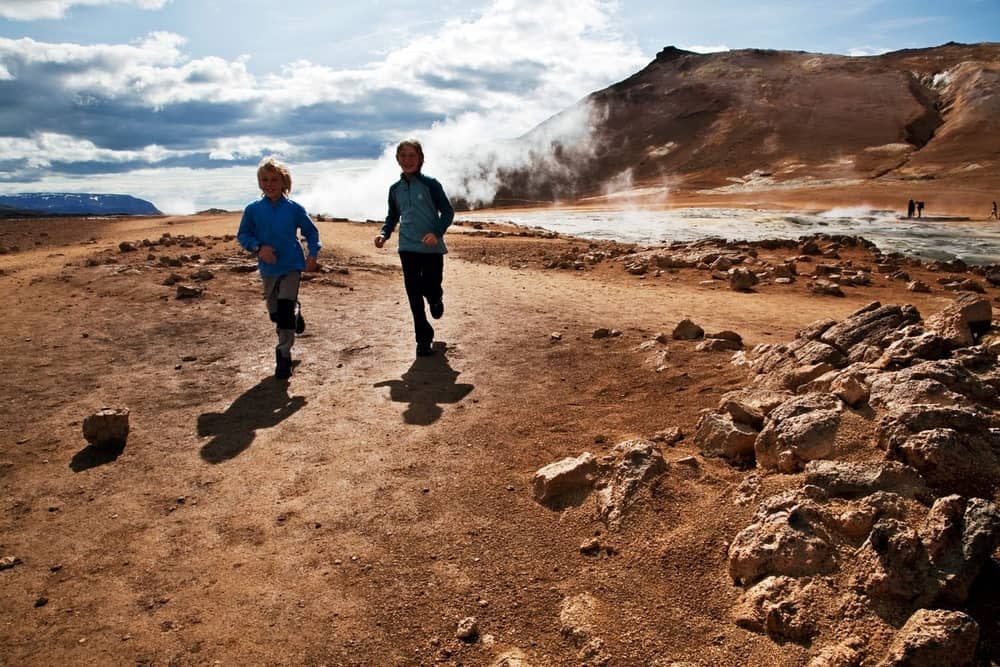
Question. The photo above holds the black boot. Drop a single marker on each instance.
(300, 322)
(282, 365)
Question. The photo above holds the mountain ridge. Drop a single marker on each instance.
(73, 203)
(764, 118)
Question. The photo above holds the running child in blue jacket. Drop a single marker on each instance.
(418, 204)
(269, 229)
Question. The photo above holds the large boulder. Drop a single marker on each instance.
(962, 321)
(799, 430)
(788, 537)
(855, 479)
(869, 325)
(956, 449)
(719, 435)
(934, 638)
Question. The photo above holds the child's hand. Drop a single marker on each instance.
(429, 240)
(311, 264)
(379, 241)
(266, 254)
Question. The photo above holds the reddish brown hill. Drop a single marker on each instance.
(764, 118)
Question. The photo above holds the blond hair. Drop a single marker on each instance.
(272, 163)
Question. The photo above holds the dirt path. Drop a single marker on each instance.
(356, 514)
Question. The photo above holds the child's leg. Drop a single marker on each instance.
(431, 276)
(413, 281)
(285, 296)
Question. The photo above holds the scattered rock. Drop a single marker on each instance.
(719, 435)
(7, 562)
(468, 629)
(631, 463)
(687, 330)
(578, 617)
(188, 292)
(568, 477)
(107, 426)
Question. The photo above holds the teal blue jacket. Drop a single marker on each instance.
(418, 206)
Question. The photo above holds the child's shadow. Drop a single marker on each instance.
(429, 382)
(262, 406)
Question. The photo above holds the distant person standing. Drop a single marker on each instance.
(911, 206)
(920, 209)
(993, 213)
(418, 204)
(269, 229)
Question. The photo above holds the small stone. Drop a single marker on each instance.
(468, 629)
(8, 562)
(555, 335)
(106, 426)
(41, 602)
(188, 292)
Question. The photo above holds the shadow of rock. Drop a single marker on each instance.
(428, 383)
(94, 455)
(262, 406)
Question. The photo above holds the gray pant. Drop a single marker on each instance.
(282, 287)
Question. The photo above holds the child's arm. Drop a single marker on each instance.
(446, 211)
(311, 234)
(391, 220)
(246, 236)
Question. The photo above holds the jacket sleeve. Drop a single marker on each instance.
(443, 206)
(310, 232)
(247, 234)
(391, 218)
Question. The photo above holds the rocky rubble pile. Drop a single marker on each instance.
(886, 535)
(884, 428)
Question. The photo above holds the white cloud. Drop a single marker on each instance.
(30, 10)
(571, 51)
(44, 148)
(152, 70)
(235, 148)
(486, 80)
(862, 51)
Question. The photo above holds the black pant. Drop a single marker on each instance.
(422, 274)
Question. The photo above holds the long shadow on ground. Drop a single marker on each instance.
(262, 406)
(428, 383)
(94, 455)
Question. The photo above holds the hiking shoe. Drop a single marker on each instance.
(282, 365)
(424, 350)
(437, 310)
(300, 322)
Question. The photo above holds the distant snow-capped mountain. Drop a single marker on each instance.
(73, 203)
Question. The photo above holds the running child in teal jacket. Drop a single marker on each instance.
(418, 204)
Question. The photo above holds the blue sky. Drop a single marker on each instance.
(176, 100)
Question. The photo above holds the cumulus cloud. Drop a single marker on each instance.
(559, 50)
(30, 10)
(467, 89)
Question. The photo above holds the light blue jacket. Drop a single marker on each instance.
(418, 205)
(267, 223)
